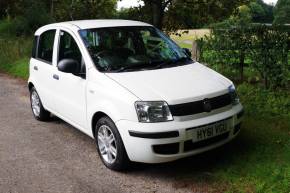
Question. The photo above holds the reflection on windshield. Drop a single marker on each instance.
(118, 49)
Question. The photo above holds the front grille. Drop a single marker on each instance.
(189, 145)
(199, 106)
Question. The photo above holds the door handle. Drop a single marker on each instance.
(56, 77)
(35, 68)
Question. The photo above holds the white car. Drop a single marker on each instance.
(132, 89)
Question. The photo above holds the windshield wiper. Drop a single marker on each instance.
(154, 64)
(179, 61)
(150, 65)
(183, 60)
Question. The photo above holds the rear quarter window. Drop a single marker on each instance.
(34, 46)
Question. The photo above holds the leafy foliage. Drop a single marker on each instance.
(269, 54)
(257, 100)
(28, 15)
(172, 15)
(236, 43)
(282, 12)
(78, 9)
(261, 12)
(34, 15)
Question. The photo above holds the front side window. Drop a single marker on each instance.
(68, 49)
(132, 48)
(45, 46)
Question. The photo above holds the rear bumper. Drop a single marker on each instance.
(168, 141)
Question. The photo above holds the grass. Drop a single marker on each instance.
(261, 161)
(5, 28)
(14, 52)
(186, 37)
(258, 161)
(18, 68)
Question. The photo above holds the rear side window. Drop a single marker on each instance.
(34, 47)
(45, 46)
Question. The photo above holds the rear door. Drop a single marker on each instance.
(70, 101)
(41, 66)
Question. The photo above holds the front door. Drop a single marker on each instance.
(70, 89)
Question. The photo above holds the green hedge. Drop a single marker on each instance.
(262, 48)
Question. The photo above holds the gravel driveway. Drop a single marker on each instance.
(54, 157)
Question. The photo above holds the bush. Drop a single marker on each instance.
(262, 48)
(262, 102)
(269, 54)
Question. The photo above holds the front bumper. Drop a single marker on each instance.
(168, 141)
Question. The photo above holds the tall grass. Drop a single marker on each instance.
(14, 56)
(13, 49)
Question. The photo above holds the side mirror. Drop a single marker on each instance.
(187, 52)
(68, 66)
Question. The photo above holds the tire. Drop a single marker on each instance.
(110, 145)
(37, 108)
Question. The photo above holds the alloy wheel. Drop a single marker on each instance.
(107, 144)
(35, 103)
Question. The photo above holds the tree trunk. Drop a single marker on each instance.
(51, 9)
(157, 14)
(242, 63)
(71, 10)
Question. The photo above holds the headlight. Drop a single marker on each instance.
(234, 96)
(148, 112)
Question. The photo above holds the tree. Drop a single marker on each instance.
(29, 15)
(83, 9)
(282, 12)
(174, 14)
(261, 12)
(3, 8)
(195, 13)
(157, 9)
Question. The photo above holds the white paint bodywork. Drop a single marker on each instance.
(76, 100)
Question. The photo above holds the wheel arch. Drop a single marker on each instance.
(95, 119)
(30, 85)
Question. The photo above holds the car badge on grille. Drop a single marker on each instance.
(206, 105)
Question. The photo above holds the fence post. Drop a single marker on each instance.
(195, 51)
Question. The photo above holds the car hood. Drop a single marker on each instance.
(174, 85)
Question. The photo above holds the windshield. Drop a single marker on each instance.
(132, 48)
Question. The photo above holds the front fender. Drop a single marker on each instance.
(106, 96)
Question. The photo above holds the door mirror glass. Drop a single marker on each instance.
(68, 66)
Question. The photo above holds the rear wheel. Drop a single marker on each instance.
(38, 110)
(110, 145)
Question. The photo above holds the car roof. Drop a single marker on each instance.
(87, 24)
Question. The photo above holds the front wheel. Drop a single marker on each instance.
(110, 145)
(38, 110)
